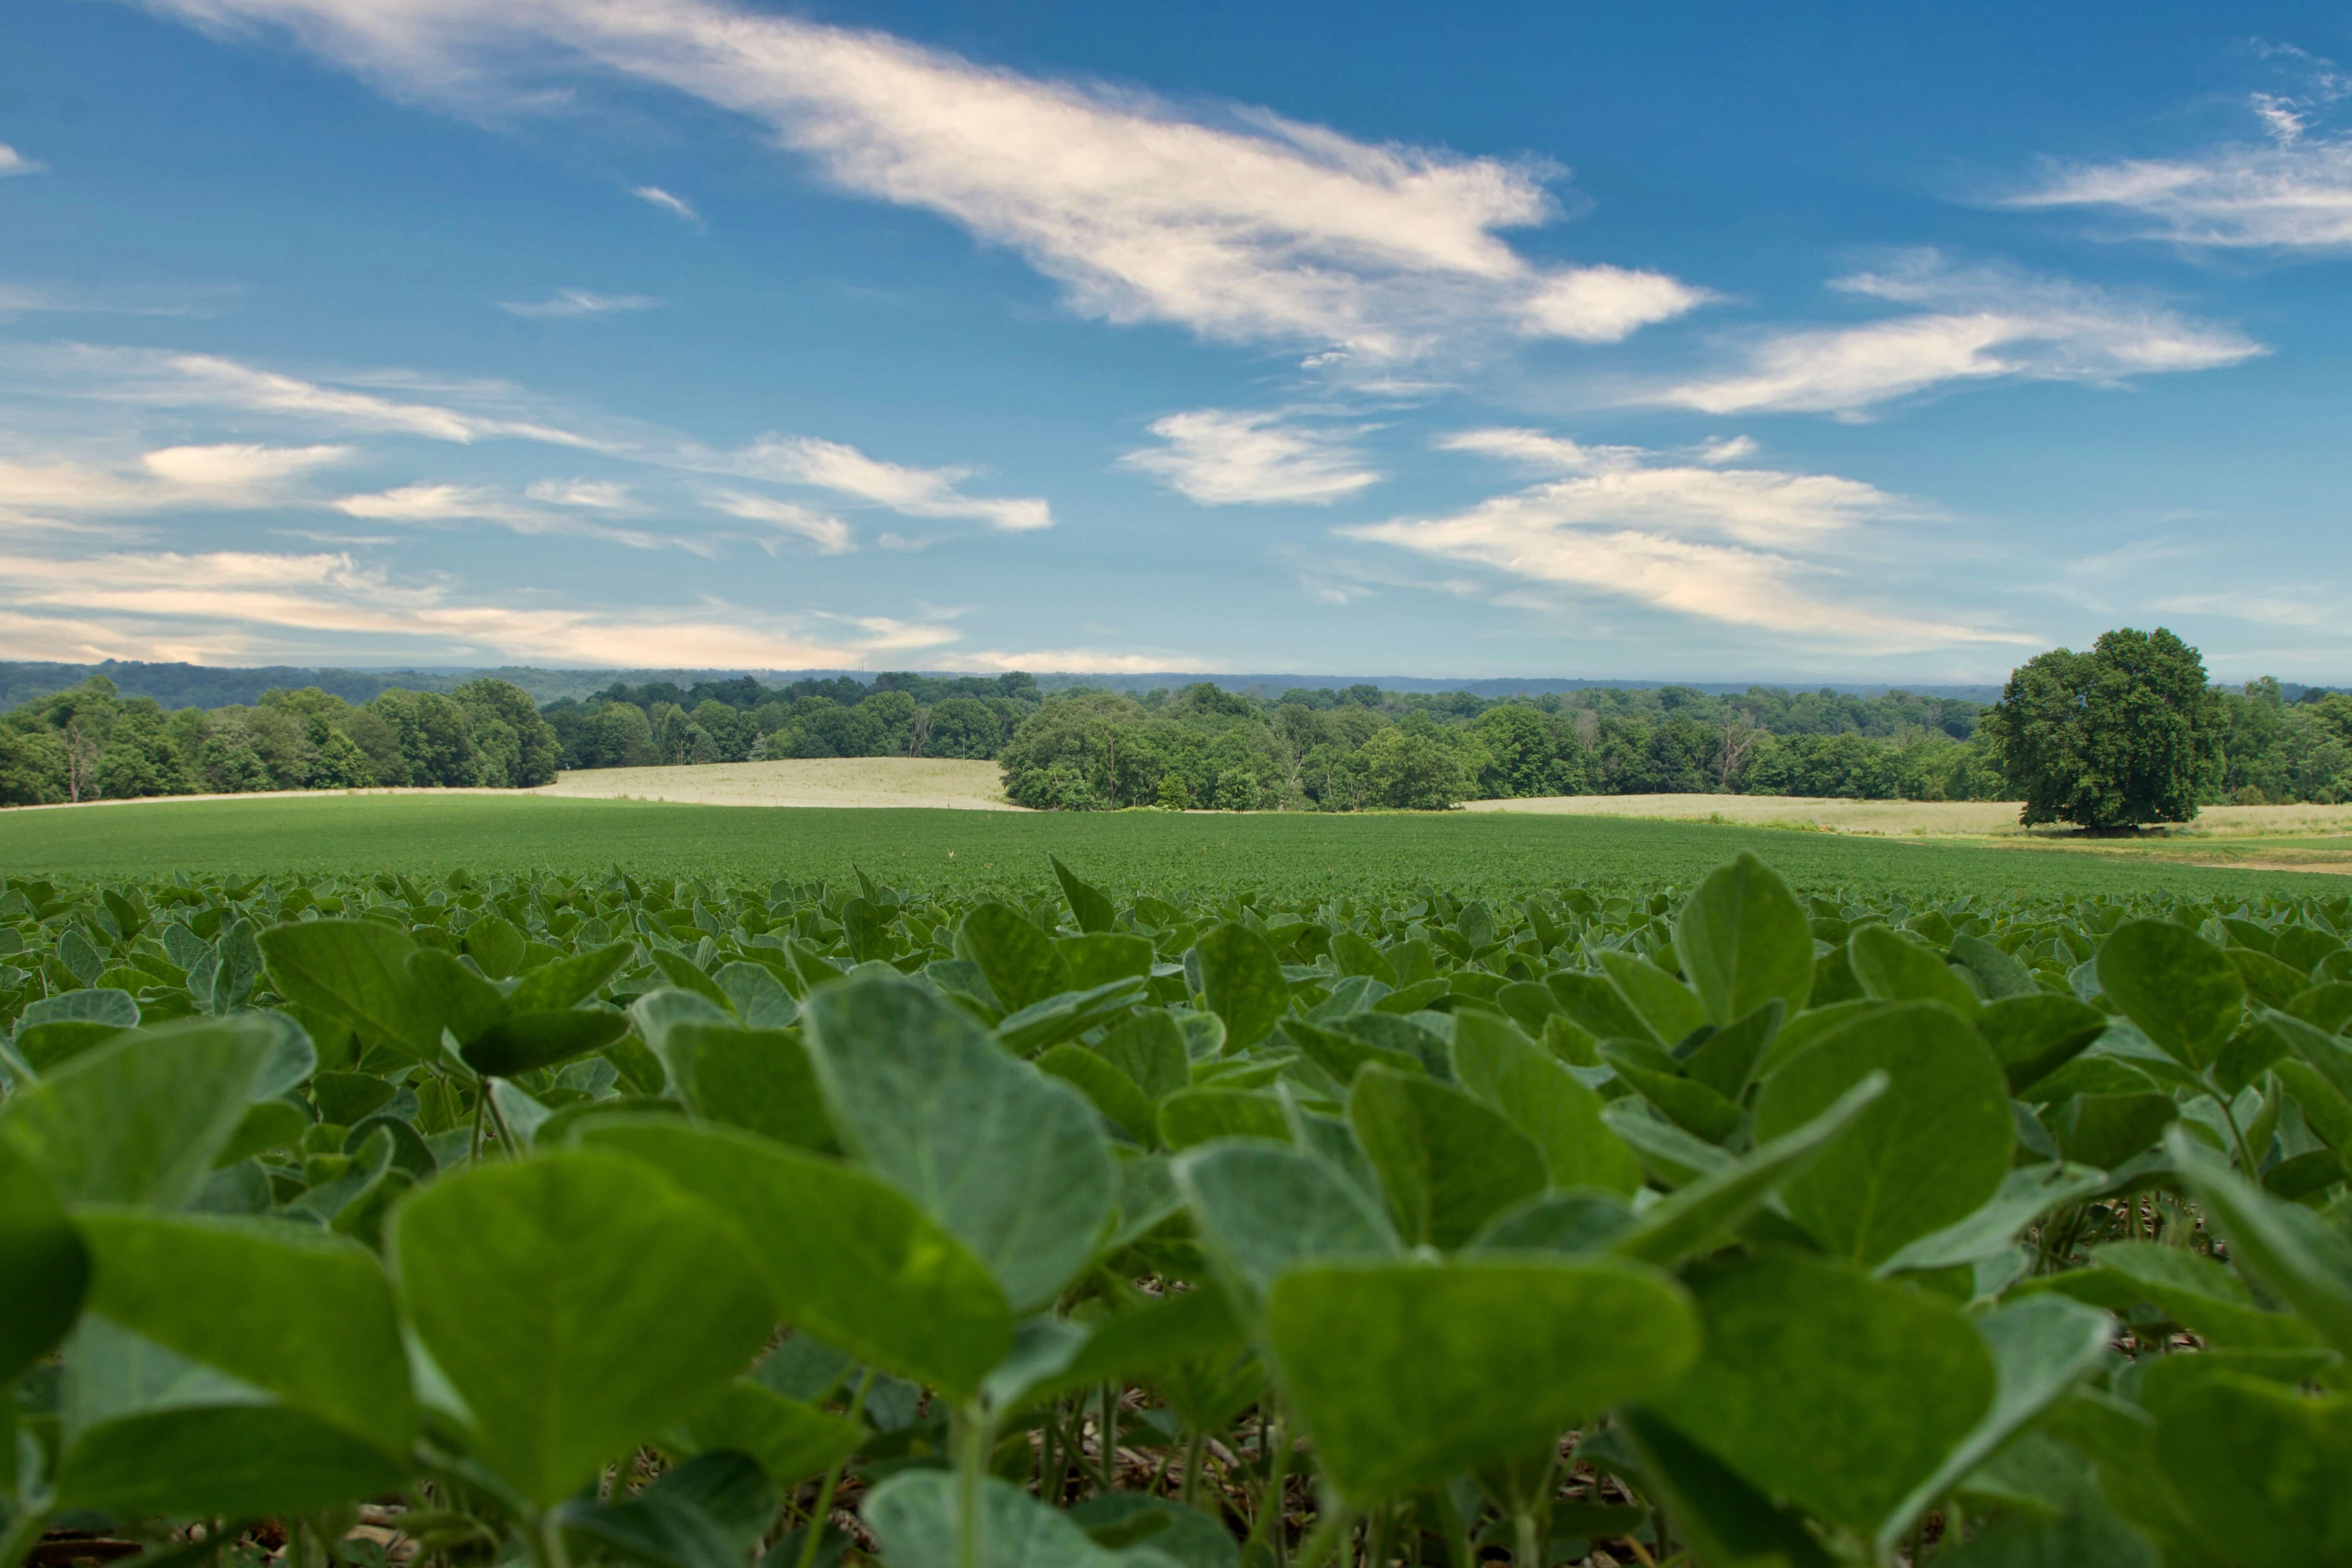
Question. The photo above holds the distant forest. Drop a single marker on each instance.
(1081, 747)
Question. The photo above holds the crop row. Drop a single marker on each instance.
(607, 1221)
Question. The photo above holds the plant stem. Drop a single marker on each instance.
(1527, 1549)
(2245, 1157)
(1266, 1528)
(22, 1531)
(832, 1477)
(552, 1552)
(970, 1437)
(1193, 1449)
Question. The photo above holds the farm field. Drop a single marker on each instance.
(948, 852)
(941, 783)
(1891, 1224)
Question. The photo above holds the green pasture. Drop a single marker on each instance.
(949, 852)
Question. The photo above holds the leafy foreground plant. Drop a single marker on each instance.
(568, 1222)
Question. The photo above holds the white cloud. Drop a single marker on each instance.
(567, 303)
(1532, 449)
(168, 477)
(1976, 324)
(1729, 451)
(1238, 225)
(1223, 457)
(667, 202)
(1711, 544)
(441, 503)
(1083, 661)
(601, 494)
(241, 606)
(15, 162)
(911, 492)
(829, 534)
(2294, 193)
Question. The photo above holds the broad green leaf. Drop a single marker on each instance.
(1726, 1061)
(1149, 1049)
(2257, 1465)
(1447, 1163)
(2026, 1195)
(689, 977)
(1743, 941)
(758, 997)
(2033, 1036)
(1105, 1087)
(1599, 1008)
(2103, 1130)
(1009, 1161)
(1194, 1116)
(465, 1003)
(1192, 1538)
(1725, 1519)
(567, 981)
(1664, 1003)
(1582, 1221)
(2289, 1251)
(1893, 968)
(1243, 983)
(305, 1316)
(525, 1042)
(235, 1461)
(1926, 1154)
(1696, 1216)
(1058, 1018)
(2181, 989)
(1547, 1103)
(758, 1079)
(1827, 1387)
(44, 1268)
(1688, 1103)
(356, 973)
(2197, 1292)
(498, 945)
(791, 1439)
(141, 1119)
(1408, 1373)
(1343, 1055)
(913, 1515)
(578, 1304)
(2041, 1348)
(709, 1512)
(1088, 907)
(1098, 960)
(102, 1005)
(848, 1258)
(1996, 969)
(1264, 1207)
(1018, 960)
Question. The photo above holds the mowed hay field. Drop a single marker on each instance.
(943, 783)
(1489, 854)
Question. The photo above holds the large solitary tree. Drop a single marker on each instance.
(2109, 739)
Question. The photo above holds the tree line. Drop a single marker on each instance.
(90, 743)
(1303, 748)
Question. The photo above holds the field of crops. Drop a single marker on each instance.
(1497, 856)
(555, 1219)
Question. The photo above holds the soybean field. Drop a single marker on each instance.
(1448, 1192)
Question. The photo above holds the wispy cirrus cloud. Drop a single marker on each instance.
(1236, 223)
(828, 533)
(430, 503)
(2290, 194)
(15, 162)
(911, 492)
(70, 494)
(567, 304)
(250, 606)
(1223, 457)
(1971, 325)
(676, 206)
(1725, 547)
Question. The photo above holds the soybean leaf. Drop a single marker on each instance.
(567, 981)
(1110, 1090)
(525, 1042)
(2026, 1193)
(356, 973)
(1893, 968)
(2033, 1036)
(1832, 1389)
(1149, 1049)
(1545, 1101)
(2181, 989)
(792, 1441)
(139, 1119)
(1264, 1207)
(1743, 942)
(1088, 907)
(465, 1003)
(1194, 1116)
(1664, 1003)
(1243, 982)
(1399, 1369)
(1098, 960)
(1019, 961)
(305, 1316)
(578, 1304)
(2255, 1464)
(1929, 1153)
(1446, 1163)
(758, 1079)
(2288, 1250)
(1724, 1517)
(1009, 1161)
(847, 1257)
(913, 1515)
(758, 997)
(44, 1268)
(498, 945)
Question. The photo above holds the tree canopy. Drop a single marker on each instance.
(2113, 738)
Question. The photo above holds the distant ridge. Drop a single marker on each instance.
(215, 685)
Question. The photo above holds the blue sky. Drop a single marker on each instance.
(1712, 342)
